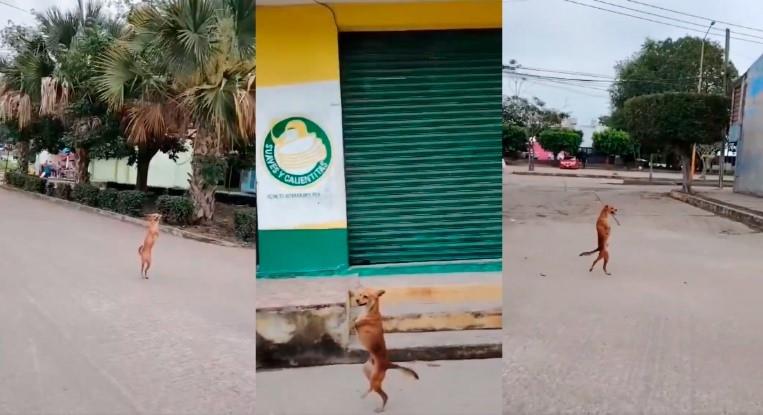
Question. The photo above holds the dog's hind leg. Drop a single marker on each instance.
(598, 258)
(368, 367)
(605, 254)
(145, 273)
(378, 389)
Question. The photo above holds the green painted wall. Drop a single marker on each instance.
(301, 252)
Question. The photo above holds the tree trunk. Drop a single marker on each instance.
(83, 162)
(202, 193)
(687, 173)
(145, 155)
(23, 150)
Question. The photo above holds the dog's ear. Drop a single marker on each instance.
(380, 293)
(606, 206)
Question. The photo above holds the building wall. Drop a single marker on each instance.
(749, 162)
(163, 172)
(303, 229)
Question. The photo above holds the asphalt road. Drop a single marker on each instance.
(677, 328)
(81, 333)
(455, 387)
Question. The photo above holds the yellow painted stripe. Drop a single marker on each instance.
(475, 14)
(444, 321)
(299, 44)
(296, 44)
(338, 224)
(455, 293)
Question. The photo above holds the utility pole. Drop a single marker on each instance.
(722, 156)
(699, 91)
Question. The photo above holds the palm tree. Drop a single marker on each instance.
(20, 84)
(74, 39)
(192, 60)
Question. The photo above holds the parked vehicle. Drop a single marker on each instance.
(570, 163)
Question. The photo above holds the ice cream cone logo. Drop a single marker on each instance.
(297, 151)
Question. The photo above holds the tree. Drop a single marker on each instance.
(675, 121)
(667, 66)
(557, 140)
(613, 142)
(514, 139)
(532, 115)
(20, 86)
(206, 73)
(707, 152)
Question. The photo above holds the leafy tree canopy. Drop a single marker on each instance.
(613, 142)
(531, 114)
(557, 140)
(667, 66)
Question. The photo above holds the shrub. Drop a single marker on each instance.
(130, 202)
(557, 140)
(177, 210)
(245, 224)
(107, 199)
(85, 193)
(15, 178)
(64, 191)
(34, 184)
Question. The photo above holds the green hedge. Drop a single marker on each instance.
(85, 193)
(15, 179)
(175, 210)
(34, 184)
(107, 199)
(63, 191)
(245, 224)
(131, 202)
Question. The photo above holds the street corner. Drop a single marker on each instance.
(301, 335)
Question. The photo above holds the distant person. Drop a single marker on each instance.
(47, 170)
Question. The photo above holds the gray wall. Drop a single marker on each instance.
(749, 163)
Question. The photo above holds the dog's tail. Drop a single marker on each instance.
(590, 252)
(407, 371)
(140, 250)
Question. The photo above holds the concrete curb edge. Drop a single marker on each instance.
(181, 233)
(730, 211)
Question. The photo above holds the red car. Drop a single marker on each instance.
(571, 163)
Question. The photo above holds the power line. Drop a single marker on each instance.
(695, 16)
(656, 21)
(14, 6)
(592, 80)
(704, 26)
(593, 75)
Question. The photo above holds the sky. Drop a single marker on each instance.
(560, 35)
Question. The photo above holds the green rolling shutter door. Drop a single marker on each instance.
(422, 140)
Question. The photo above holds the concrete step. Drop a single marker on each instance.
(407, 347)
(438, 345)
(414, 317)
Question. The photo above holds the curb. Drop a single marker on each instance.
(736, 213)
(289, 358)
(585, 176)
(129, 219)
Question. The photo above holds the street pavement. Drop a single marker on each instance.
(81, 333)
(455, 387)
(675, 330)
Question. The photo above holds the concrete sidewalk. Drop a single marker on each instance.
(445, 388)
(742, 208)
(637, 176)
(307, 321)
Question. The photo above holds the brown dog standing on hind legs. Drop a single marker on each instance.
(144, 251)
(602, 232)
(371, 335)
